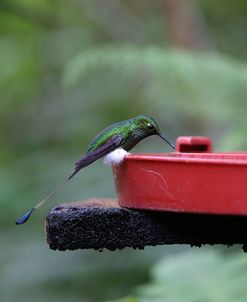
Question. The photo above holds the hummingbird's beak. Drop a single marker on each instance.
(166, 140)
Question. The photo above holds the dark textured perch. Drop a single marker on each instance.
(103, 224)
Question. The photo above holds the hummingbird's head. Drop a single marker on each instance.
(148, 126)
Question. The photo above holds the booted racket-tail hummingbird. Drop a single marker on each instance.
(113, 143)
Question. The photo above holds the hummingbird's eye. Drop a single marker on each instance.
(150, 126)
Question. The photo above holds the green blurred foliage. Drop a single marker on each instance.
(201, 275)
(67, 70)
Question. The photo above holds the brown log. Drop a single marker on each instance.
(98, 224)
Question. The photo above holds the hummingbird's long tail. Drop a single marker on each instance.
(83, 162)
(26, 216)
(77, 169)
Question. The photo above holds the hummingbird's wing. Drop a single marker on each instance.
(110, 145)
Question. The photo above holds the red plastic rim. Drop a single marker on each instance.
(195, 182)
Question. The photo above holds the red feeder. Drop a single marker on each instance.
(193, 179)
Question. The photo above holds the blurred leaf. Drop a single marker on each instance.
(188, 93)
(198, 275)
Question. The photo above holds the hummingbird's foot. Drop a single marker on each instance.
(116, 157)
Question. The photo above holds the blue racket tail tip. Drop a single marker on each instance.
(24, 218)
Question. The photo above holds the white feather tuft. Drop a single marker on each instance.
(116, 157)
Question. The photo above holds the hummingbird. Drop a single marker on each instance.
(113, 143)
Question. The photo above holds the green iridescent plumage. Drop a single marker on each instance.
(124, 135)
(131, 132)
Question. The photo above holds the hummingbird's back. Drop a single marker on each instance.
(122, 129)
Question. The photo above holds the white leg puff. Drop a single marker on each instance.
(116, 157)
